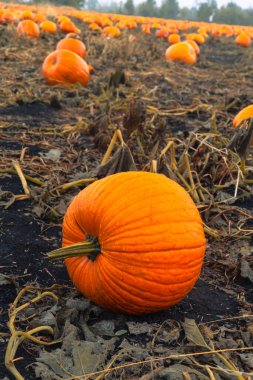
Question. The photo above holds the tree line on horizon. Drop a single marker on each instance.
(207, 11)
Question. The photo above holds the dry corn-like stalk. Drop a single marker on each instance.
(17, 336)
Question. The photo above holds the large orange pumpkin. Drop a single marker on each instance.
(144, 238)
(181, 52)
(65, 67)
(28, 28)
(72, 44)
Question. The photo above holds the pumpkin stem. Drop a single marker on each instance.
(89, 248)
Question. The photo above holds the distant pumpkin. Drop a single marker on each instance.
(181, 52)
(174, 38)
(72, 44)
(243, 39)
(161, 33)
(39, 18)
(65, 67)
(94, 26)
(28, 28)
(26, 15)
(68, 27)
(199, 38)
(111, 31)
(48, 27)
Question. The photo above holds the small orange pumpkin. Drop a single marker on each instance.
(142, 253)
(94, 26)
(39, 18)
(174, 38)
(245, 113)
(146, 29)
(111, 31)
(28, 28)
(69, 27)
(181, 52)
(48, 27)
(243, 39)
(26, 15)
(7, 17)
(199, 38)
(161, 33)
(72, 44)
(65, 67)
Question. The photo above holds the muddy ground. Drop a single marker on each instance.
(57, 136)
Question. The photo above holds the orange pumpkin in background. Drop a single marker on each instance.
(26, 15)
(243, 39)
(65, 67)
(7, 17)
(199, 38)
(69, 27)
(63, 19)
(48, 27)
(174, 38)
(72, 44)
(94, 26)
(28, 28)
(39, 18)
(181, 52)
(146, 29)
(142, 254)
(162, 33)
(111, 31)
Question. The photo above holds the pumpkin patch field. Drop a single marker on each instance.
(126, 197)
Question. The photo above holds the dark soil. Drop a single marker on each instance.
(41, 119)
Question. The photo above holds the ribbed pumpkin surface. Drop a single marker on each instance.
(65, 67)
(151, 238)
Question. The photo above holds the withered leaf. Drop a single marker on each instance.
(104, 328)
(135, 116)
(246, 270)
(121, 161)
(100, 124)
(139, 328)
(82, 357)
(102, 140)
(247, 359)
(5, 280)
(241, 141)
(193, 333)
(163, 167)
(117, 78)
(175, 372)
(52, 154)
